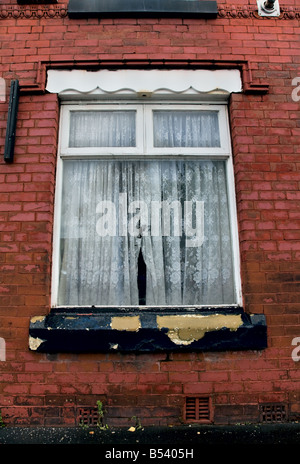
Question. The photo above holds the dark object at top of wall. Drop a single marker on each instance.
(194, 8)
(35, 2)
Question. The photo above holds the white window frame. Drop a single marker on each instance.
(144, 148)
(224, 148)
(144, 131)
(65, 150)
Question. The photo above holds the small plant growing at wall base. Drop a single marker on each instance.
(83, 425)
(138, 425)
(92, 417)
(1, 420)
(101, 422)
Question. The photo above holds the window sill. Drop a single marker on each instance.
(80, 330)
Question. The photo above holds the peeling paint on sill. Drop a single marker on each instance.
(151, 330)
(35, 319)
(184, 330)
(128, 323)
(34, 343)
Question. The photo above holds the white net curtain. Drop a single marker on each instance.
(111, 214)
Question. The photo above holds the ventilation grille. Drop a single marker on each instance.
(273, 413)
(198, 409)
(87, 416)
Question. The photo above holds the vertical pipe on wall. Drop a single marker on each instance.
(11, 122)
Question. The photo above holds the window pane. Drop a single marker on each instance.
(102, 129)
(186, 129)
(162, 224)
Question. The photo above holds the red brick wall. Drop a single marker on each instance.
(48, 389)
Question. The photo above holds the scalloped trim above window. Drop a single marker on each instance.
(144, 83)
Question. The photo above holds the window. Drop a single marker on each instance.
(145, 254)
(145, 207)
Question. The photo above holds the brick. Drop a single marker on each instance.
(22, 217)
(198, 388)
(42, 389)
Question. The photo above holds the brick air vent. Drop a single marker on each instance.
(87, 416)
(198, 409)
(273, 413)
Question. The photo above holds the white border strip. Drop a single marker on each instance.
(143, 82)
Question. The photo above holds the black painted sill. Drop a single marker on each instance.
(82, 330)
(194, 8)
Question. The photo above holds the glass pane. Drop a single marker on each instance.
(102, 129)
(145, 232)
(189, 129)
